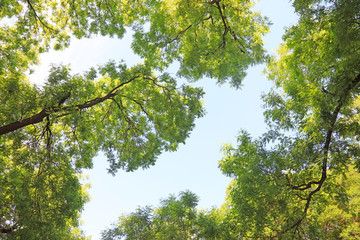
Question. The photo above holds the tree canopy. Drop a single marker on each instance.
(49, 133)
(284, 179)
(175, 218)
(298, 180)
(333, 217)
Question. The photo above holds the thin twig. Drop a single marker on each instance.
(37, 17)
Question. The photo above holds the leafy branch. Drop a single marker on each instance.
(37, 16)
(178, 35)
(227, 28)
(34, 119)
(326, 150)
(8, 229)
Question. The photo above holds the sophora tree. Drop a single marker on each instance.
(175, 218)
(49, 133)
(299, 180)
(283, 181)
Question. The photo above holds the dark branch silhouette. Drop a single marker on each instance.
(34, 119)
(37, 16)
(325, 160)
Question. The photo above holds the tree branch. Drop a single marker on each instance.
(227, 27)
(138, 103)
(47, 111)
(37, 17)
(326, 149)
(8, 230)
(178, 35)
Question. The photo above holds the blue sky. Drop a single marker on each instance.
(195, 165)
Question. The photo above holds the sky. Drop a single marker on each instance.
(194, 166)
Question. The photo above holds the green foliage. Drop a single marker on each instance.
(300, 179)
(49, 133)
(129, 114)
(217, 39)
(175, 218)
(290, 183)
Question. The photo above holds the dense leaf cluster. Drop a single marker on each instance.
(298, 181)
(49, 133)
(283, 180)
(175, 218)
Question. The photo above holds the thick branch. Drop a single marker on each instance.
(8, 230)
(335, 115)
(22, 123)
(302, 187)
(326, 149)
(47, 111)
(214, 1)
